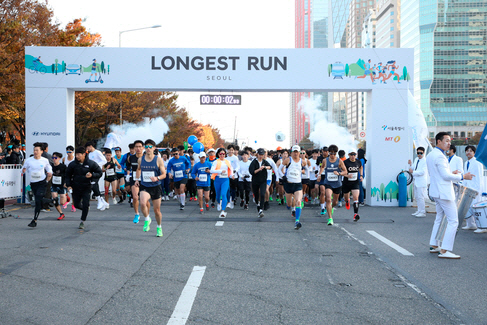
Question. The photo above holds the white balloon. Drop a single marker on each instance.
(280, 136)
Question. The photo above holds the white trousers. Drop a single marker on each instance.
(419, 195)
(471, 221)
(449, 209)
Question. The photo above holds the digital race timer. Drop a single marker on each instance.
(220, 99)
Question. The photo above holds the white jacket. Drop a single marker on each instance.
(420, 173)
(456, 163)
(441, 177)
(477, 182)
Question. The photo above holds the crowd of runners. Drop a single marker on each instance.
(221, 179)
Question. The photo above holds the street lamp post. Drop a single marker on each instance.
(120, 45)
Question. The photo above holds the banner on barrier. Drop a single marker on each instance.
(10, 181)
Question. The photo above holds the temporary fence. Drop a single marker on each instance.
(11, 184)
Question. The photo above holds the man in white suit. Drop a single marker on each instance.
(456, 163)
(475, 167)
(441, 189)
(419, 170)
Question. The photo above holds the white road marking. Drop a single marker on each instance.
(185, 303)
(219, 223)
(351, 235)
(391, 244)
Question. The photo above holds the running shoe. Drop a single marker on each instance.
(330, 222)
(306, 199)
(32, 224)
(147, 225)
(81, 225)
(219, 207)
(302, 204)
(356, 217)
(213, 204)
(73, 209)
(159, 232)
(46, 210)
(61, 216)
(136, 218)
(347, 205)
(232, 205)
(167, 198)
(278, 200)
(297, 225)
(241, 203)
(261, 214)
(340, 204)
(207, 207)
(181, 207)
(323, 211)
(115, 202)
(223, 214)
(293, 213)
(271, 199)
(163, 198)
(65, 205)
(362, 204)
(246, 207)
(201, 210)
(124, 196)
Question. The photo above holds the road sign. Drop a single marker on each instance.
(362, 135)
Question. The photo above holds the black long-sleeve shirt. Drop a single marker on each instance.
(261, 176)
(76, 173)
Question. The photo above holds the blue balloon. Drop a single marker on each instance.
(192, 139)
(198, 147)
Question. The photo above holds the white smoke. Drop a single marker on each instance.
(325, 133)
(122, 135)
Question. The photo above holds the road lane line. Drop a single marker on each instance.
(390, 244)
(219, 223)
(185, 303)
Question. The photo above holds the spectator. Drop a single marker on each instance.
(361, 157)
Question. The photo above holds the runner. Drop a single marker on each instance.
(66, 161)
(331, 169)
(351, 182)
(221, 170)
(40, 172)
(233, 159)
(313, 184)
(58, 183)
(111, 176)
(165, 193)
(270, 172)
(99, 158)
(305, 176)
(280, 185)
(244, 180)
(178, 169)
(79, 175)
(191, 182)
(201, 173)
(258, 169)
(294, 169)
(148, 177)
(211, 159)
(134, 165)
(120, 172)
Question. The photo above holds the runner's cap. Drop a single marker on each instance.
(202, 154)
(352, 151)
(211, 150)
(296, 148)
(260, 151)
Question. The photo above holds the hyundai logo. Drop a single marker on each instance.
(35, 133)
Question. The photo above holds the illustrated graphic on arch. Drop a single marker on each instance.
(95, 69)
(378, 71)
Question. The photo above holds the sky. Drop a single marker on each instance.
(201, 24)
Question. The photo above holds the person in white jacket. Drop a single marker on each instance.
(476, 168)
(456, 163)
(441, 189)
(419, 170)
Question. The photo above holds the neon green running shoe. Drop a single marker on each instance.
(271, 199)
(147, 225)
(330, 222)
(302, 204)
(278, 200)
(159, 232)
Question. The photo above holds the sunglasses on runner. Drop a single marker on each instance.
(303, 153)
(332, 153)
(221, 154)
(149, 146)
(419, 153)
(55, 157)
(69, 152)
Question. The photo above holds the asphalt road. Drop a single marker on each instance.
(249, 271)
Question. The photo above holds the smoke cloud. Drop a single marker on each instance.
(123, 135)
(325, 133)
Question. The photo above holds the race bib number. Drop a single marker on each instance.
(146, 176)
(36, 176)
(110, 172)
(294, 173)
(332, 177)
(57, 180)
(224, 173)
(118, 170)
(178, 174)
(353, 177)
(203, 177)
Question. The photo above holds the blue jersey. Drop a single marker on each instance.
(121, 161)
(178, 167)
(199, 171)
(148, 170)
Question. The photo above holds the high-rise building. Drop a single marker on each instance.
(339, 10)
(356, 101)
(450, 41)
(311, 21)
(368, 30)
(388, 24)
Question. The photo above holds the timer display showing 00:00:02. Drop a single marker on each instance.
(220, 99)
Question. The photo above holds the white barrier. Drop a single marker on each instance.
(10, 181)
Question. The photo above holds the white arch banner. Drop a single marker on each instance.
(53, 74)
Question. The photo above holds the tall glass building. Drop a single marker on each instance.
(450, 44)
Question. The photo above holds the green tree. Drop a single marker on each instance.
(329, 70)
(347, 69)
(102, 67)
(404, 73)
